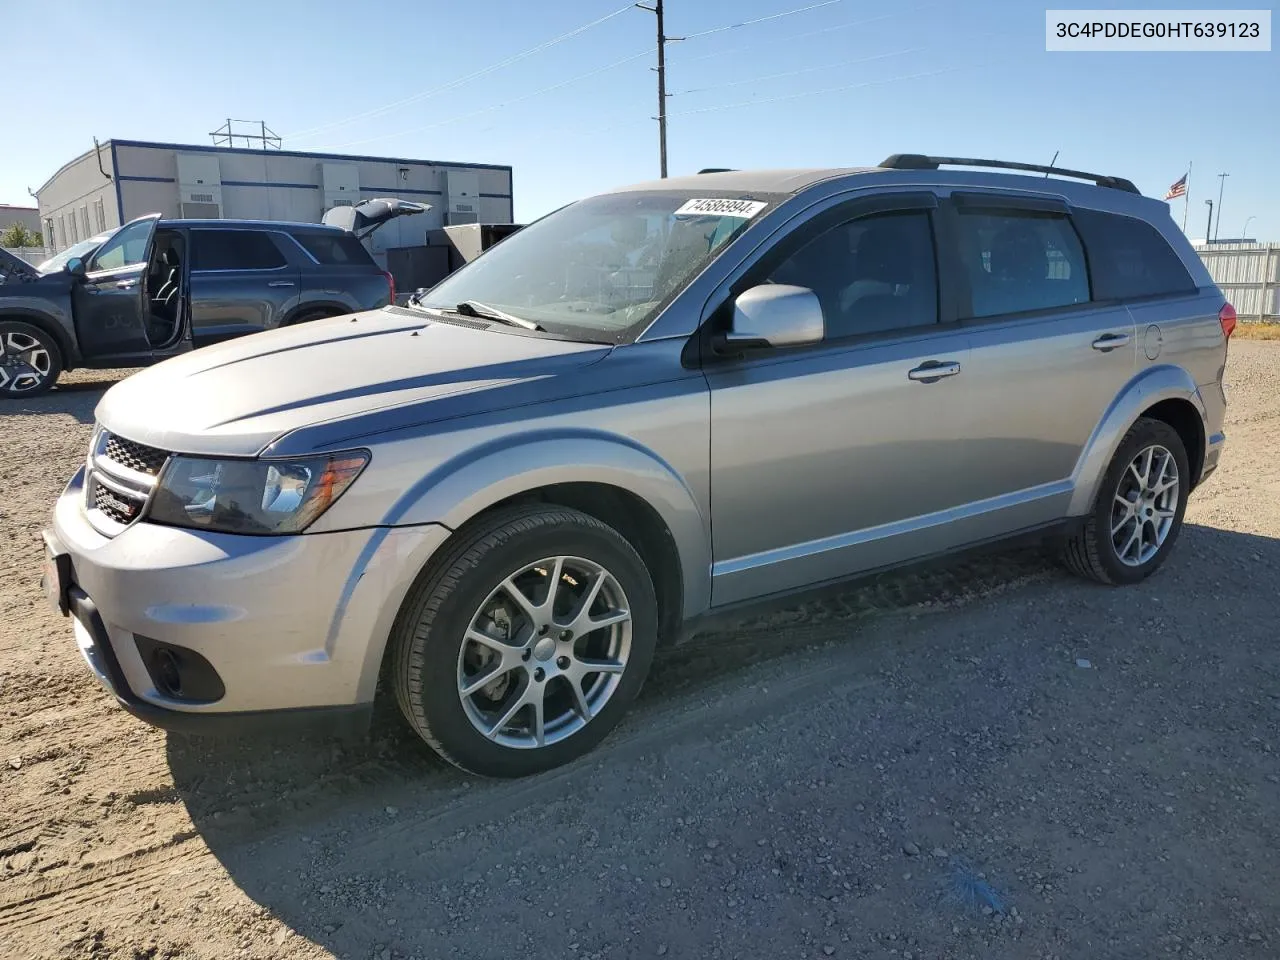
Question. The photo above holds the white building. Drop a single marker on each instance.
(125, 179)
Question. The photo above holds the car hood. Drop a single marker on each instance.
(236, 397)
(14, 270)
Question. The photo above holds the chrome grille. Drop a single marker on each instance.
(135, 456)
(121, 477)
(120, 509)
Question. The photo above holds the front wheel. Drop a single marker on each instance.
(1139, 508)
(523, 647)
(30, 360)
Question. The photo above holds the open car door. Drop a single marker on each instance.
(366, 217)
(109, 298)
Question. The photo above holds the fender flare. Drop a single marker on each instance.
(1151, 386)
(312, 306)
(50, 325)
(459, 489)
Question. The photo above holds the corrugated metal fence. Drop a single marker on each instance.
(1249, 275)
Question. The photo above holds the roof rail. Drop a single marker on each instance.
(716, 170)
(918, 161)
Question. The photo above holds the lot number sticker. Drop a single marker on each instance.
(716, 207)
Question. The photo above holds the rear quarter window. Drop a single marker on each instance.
(1129, 259)
(337, 249)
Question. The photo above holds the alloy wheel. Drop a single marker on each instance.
(1144, 505)
(544, 652)
(25, 363)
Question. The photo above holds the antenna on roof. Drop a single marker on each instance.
(1051, 163)
(262, 137)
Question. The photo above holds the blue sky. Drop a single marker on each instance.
(846, 83)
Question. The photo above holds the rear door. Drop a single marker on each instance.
(107, 302)
(1046, 358)
(340, 273)
(242, 281)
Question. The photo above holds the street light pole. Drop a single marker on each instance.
(1222, 182)
(1244, 232)
(1208, 235)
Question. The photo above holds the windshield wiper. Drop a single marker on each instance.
(473, 308)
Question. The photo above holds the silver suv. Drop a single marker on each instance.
(651, 407)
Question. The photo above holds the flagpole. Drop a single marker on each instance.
(1186, 197)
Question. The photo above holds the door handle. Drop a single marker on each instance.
(1109, 341)
(280, 283)
(933, 370)
(126, 284)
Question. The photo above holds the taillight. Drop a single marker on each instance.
(1227, 317)
(391, 285)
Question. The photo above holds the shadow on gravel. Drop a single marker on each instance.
(76, 396)
(262, 807)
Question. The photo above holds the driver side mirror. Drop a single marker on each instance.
(773, 315)
(75, 267)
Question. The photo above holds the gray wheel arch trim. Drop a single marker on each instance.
(48, 323)
(1151, 386)
(462, 488)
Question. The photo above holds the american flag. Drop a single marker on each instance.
(1178, 189)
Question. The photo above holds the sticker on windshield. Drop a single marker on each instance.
(717, 207)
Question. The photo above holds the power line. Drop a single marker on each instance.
(772, 16)
(814, 93)
(497, 106)
(515, 58)
(796, 73)
(798, 36)
(597, 130)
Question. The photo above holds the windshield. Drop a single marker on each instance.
(602, 268)
(81, 249)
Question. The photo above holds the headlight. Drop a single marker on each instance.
(252, 496)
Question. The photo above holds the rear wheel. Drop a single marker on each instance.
(30, 360)
(522, 648)
(1138, 512)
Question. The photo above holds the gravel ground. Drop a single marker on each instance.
(985, 760)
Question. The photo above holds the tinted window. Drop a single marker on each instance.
(1130, 258)
(335, 248)
(1019, 260)
(234, 250)
(871, 274)
(125, 248)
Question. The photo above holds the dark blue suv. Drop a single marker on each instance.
(156, 288)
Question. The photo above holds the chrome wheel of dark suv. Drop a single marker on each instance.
(29, 360)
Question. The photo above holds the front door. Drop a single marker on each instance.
(1046, 360)
(838, 458)
(108, 301)
(241, 282)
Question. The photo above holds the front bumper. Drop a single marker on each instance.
(294, 627)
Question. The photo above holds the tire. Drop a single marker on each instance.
(434, 655)
(30, 360)
(1092, 551)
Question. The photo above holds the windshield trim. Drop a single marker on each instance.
(632, 332)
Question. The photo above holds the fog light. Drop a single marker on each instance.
(179, 673)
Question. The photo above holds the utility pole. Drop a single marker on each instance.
(1222, 182)
(1208, 234)
(656, 9)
